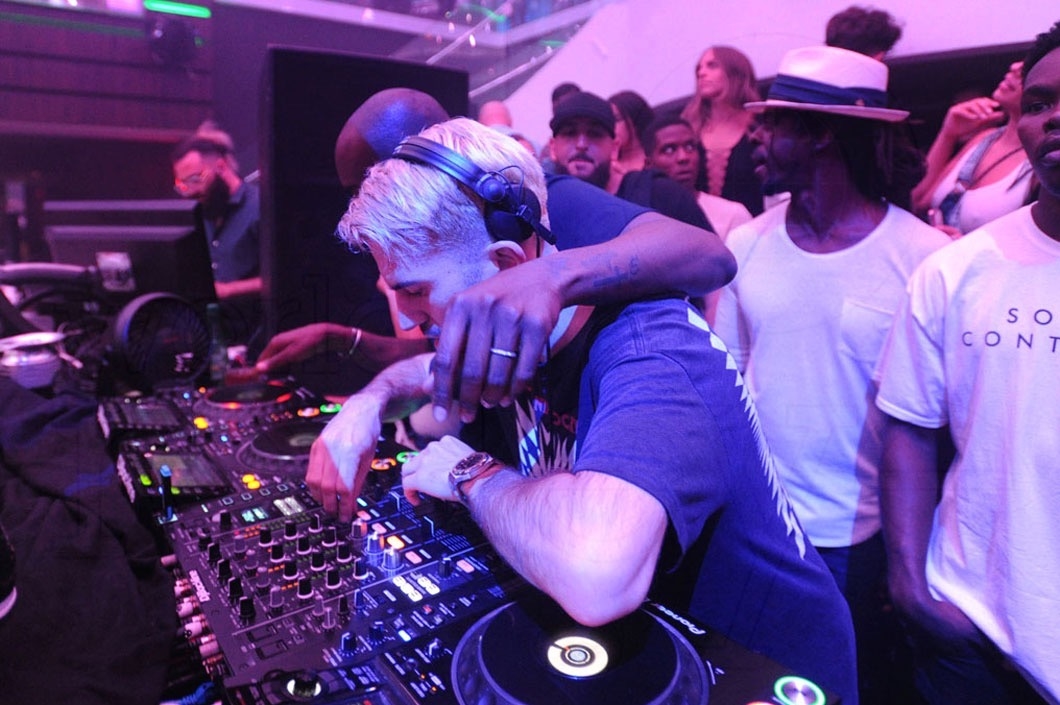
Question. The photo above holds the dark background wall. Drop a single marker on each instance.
(240, 60)
(91, 102)
(309, 274)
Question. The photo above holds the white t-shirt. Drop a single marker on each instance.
(807, 330)
(977, 347)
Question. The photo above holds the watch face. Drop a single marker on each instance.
(470, 462)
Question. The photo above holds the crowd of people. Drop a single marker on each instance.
(844, 346)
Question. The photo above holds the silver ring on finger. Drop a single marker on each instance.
(510, 354)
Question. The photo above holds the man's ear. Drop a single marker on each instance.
(506, 254)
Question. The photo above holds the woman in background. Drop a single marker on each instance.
(632, 115)
(725, 80)
(989, 176)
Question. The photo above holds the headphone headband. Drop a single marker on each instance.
(512, 211)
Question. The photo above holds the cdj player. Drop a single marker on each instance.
(404, 605)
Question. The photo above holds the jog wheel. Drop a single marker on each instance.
(531, 652)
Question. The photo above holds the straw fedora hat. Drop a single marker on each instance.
(831, 80)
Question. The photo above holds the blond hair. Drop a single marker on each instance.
(406, 210)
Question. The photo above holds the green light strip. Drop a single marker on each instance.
(70, 24)
(177, 8)
(493, 16)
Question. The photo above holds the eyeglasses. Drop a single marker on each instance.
(185, 184)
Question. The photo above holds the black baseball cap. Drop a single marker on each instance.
(583, 105)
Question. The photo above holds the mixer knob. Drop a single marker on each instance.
(290, 570)
(329, 619)
(239, 546)
(359, 601)
(224, 520)
(333, 579)
(344, 554)
(348, 643)
(304, 685)
(330, 536)
(391, 559)
(213, 552)
(445, 567)
(318, 605)
(235, 589)
(360, 568)
(344, 607)
(224, 569)
(246, 608)
(303, 545)
(435, 649)
(265, 537)
(305, 588)
(374, 546)
(314, 524)
(208, 646)
(204, 541)
(358, 530)
(275, 598)
(316, 561)
(290, 530)
(262, 583)
(276, 553)
(377, 632)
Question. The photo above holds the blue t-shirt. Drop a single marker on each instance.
(648, 393)
(581, 214)
(662, 406)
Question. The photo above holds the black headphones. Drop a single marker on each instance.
(512, 211)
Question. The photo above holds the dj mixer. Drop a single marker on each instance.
(403, 605)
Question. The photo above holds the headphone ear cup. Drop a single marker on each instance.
(514, 217)
(506, 226)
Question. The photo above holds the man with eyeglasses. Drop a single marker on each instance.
(205, 169)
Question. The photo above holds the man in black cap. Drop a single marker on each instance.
(583, 143)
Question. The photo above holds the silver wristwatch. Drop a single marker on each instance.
(474, 467)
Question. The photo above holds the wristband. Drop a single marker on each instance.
(357, 333)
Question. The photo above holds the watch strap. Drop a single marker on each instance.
(489, 467)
